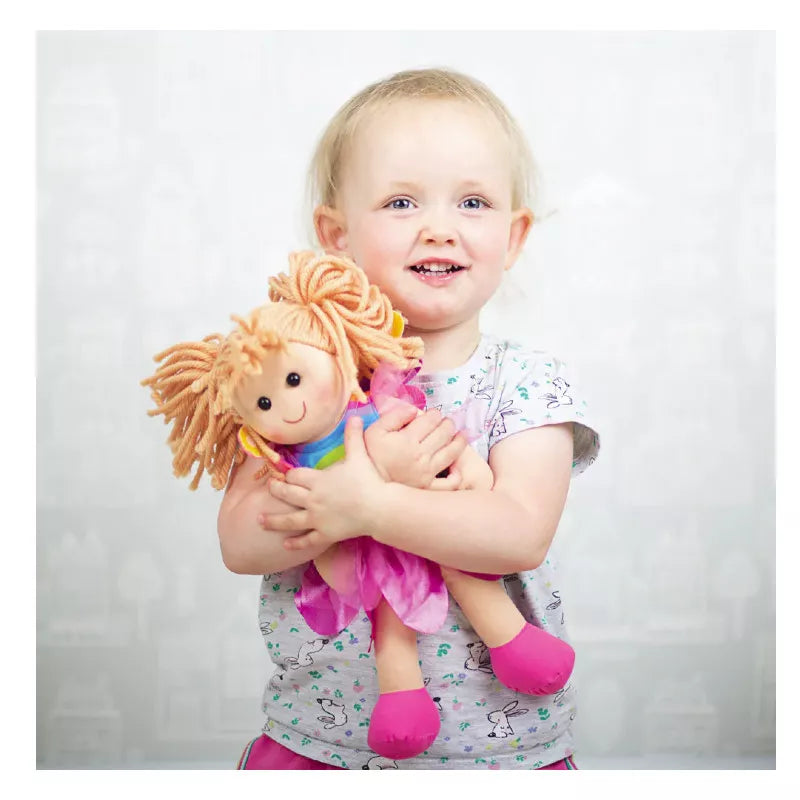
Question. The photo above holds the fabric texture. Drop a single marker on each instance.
(318, 701)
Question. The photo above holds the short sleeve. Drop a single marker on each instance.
(535, 388)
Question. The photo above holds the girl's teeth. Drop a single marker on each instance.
(437, 267)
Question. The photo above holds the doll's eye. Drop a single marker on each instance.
(293, 379)
(264, 403)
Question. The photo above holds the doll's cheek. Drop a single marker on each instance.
(268, 432)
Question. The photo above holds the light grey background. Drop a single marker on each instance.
(170, 185)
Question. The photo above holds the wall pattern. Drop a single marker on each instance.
(170, 185)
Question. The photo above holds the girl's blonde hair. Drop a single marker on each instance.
(325, 169)
(323, 301)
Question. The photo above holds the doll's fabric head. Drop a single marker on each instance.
(324, 331)
(297, 395)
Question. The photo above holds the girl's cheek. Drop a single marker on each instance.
(388, 251)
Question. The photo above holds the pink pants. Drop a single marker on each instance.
(264, 753)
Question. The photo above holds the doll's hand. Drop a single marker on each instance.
(333, 504)
(412, 447)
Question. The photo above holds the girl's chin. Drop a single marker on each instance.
(418, 324)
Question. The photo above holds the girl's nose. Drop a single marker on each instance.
(431, 236)
(438, 230)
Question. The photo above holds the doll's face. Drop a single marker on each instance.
(299, 396)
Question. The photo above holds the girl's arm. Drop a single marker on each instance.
(503, 530)
(247, 548)
(251, 548)
(506, 529)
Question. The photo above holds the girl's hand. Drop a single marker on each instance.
(474, 471)
(335, 503)
(412, 447)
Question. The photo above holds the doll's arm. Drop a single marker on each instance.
(247, 548)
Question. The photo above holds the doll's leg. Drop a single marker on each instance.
(405, 720)
(524, 658)
(328, 598)
(336, 569)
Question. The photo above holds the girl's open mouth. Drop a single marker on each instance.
(436, 269)
(436, 273)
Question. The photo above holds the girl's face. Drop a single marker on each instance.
(298, 397)
(424, 208)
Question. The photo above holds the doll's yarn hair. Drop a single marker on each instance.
(323, 301)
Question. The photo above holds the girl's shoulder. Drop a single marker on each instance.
(528, 388)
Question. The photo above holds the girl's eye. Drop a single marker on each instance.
(400, 204)
(473, 203)
(264, 403)
(293, 379)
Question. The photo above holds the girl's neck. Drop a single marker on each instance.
(449, 348)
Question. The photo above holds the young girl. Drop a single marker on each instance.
(421, 179)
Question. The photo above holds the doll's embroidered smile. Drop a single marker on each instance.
(300, 418)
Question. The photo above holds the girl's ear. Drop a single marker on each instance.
(521, 221)
(329, 224)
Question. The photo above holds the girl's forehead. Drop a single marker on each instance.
(396, 117)
(402, 132)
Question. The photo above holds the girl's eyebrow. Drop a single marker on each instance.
(471, 185)
(410, 186)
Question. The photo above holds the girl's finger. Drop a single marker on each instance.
(444, 433)
(289, 493)
(293, 521)
(302, 476)
(424, 424)
(304, 541)
(354, 438)
(397, 417)
(448, 484)
(448, 455)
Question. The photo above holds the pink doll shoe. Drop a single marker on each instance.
(533, 662)
(403, 724)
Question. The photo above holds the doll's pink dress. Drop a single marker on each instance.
(411, 585)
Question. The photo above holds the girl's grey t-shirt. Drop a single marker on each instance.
(319, 698)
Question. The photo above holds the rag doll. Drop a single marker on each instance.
(281, 386)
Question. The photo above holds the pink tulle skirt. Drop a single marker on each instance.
(368, 571)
